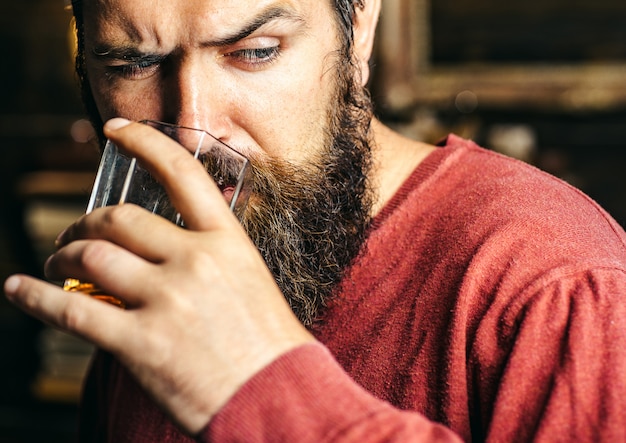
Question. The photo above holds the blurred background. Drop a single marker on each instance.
(541, 80)
(44, 180)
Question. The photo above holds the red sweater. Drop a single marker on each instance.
(489, 298)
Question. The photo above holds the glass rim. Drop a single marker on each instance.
(150, 122)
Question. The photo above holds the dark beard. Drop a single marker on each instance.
(310, 221)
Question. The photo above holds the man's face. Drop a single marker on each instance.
(257, 74)
(268, 78)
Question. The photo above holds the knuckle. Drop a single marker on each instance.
(116, 215)
(94, 254)
(72, 317)
(30, 296)
(179, 162)
(180, 166)
(200, 263)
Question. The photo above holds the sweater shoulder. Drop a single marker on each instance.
(467, 195)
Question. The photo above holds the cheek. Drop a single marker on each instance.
(131, 103)
(289, 117)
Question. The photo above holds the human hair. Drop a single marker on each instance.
(346, 10)
(81, 71)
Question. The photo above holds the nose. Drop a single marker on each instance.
(194, 99)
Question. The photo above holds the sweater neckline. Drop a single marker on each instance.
(423, 170)
(420, 174)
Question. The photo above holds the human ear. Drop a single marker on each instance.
(365, 22)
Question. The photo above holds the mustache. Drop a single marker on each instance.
(227, 171)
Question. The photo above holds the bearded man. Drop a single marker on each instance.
(376, 288)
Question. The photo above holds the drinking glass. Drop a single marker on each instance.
(121, 179)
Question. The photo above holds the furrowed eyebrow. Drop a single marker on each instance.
(130, 53)
(254, 24)
(124, 53)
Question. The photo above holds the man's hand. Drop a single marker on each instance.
(203, 312)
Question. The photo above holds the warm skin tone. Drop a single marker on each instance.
(189, 62)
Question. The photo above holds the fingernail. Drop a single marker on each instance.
(12, 284)
(46, 264)
(116, 123)
(59, 240)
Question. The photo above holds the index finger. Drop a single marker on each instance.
(190, 188)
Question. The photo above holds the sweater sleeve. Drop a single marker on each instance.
(556, 369)
(305, 396)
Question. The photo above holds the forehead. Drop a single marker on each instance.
(138, 19)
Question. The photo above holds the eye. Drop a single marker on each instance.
(255, 58)
(135, 70)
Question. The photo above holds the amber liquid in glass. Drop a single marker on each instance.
(226, 166)
(74, 285)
